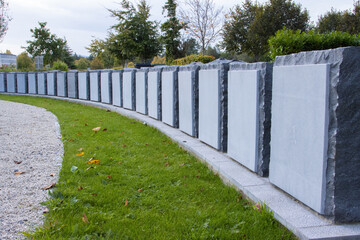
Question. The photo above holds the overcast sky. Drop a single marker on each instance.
(79, 21)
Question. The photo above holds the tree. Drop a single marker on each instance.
(49, 45)
(251, 25)
(203, 21)
(189, 46)
(238, 26)
(344, 21)
(82, 63)
(4, 18)
(171, 32)
(24, 62)
(135, 36)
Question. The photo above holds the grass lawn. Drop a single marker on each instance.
(144, 186)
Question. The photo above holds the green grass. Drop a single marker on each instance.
(169, 193)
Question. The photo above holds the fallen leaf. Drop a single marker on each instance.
(146, 144)
(94, 162)
(123, 145)
(19, 173)
(80, 154)
(46, 210)
(86, 124)
(80, 188)
(80, 149)
(165, 155)
(122, 133)
(139, 190)
(167, 164)
(197, 176)
(50, 186)
(105, 129)
(119, 163)
(89, 168)
(70, 140)
(126, 202)
(96, 129)
(94, 194)
(52, 174)
(109, 177)
(85, 219)
(110, 158)
(17, 162)
(79, 133)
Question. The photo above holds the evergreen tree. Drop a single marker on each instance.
(135, 36)
(171, 32)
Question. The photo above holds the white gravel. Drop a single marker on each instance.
(30, 135)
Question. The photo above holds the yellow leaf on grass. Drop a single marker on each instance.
(80, 154)
(94, 162)
(96, 129)
(126, 202)
(85, 219)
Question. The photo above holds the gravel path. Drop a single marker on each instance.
(31, 137)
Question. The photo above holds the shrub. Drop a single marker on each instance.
(24, 62)
(158, 60)
(82, 64)
(193, 58)
(96, 64)
(60, 65)
(130, 65)
(288, 41)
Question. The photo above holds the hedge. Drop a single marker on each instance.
(288, 41)
(193, 58)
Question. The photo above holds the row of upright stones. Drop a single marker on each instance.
(294, 121)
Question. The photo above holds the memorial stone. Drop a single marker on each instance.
(84, 85)
(61, 84)
(42, 83)
(11, 82)
(72, 84)
(51, 83)
(95, 90)
(189, 99)
(154, 92)
(315, 140)
(141, 90)
(249, 115)
(116, 88)
(32, 83)
(213, 80)
(106, 86)
(21, 82)
(169, 96)
(128, 88)
(3, 82)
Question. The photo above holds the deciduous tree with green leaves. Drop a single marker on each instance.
(171, 32)
(49, 45)
(134, 36)
(249, 26)
(344, 21)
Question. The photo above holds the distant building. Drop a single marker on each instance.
(7, 60)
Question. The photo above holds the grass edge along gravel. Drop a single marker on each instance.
(121, 179)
